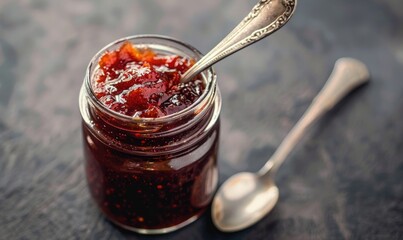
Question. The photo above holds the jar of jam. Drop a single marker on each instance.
(151, 174)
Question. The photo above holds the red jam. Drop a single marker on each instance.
(149, 176)
(145, 193)
(139, 83)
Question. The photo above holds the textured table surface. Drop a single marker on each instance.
(343, 181)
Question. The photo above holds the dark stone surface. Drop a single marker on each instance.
(344, 181)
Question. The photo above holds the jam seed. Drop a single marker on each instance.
(110, 191)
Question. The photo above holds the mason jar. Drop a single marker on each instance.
(152, 175)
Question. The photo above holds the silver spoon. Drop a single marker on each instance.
(265, 18)
(245, 198)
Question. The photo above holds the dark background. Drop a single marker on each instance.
(344, 181)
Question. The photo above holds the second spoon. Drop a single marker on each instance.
(245, 198)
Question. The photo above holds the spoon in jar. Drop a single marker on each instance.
(245, 198)
(265, 18)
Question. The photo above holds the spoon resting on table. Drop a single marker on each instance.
(266, 17)
(245, 198)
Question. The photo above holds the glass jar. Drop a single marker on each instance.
(152, 175)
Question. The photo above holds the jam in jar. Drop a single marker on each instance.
(150, 142)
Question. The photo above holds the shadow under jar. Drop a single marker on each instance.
(152, 175)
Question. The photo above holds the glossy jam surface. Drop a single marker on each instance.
(138, 82)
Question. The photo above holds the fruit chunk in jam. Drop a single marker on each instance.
(139, 83)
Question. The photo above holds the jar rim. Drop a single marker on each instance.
(209, 75)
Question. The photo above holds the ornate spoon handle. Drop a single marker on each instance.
(265, 18)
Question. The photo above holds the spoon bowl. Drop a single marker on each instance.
(245, 198)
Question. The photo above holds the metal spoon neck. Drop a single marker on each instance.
(266, 17)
